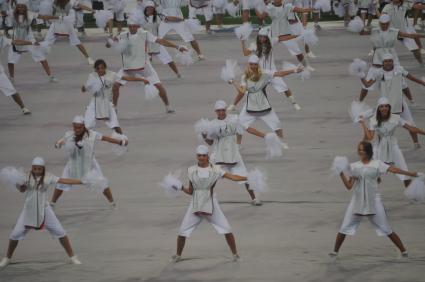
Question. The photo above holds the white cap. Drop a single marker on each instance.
(149, 4)
(38, 161)
(384, 18)
(264, 32)
(78, 119)
(387, 56)
(22, 2)
(253, 59)
(133, 20)
(220, 105)
(383, 101)
(202, 150)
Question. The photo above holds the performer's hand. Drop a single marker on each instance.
(230, 108)
(124, 143)
(299, 69)
(182, 48)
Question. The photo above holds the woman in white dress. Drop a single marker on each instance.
(37, 214)
(381, 133)
(80, 144)
(366, 201)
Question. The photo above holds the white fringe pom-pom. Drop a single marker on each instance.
(201, 127)
(305, 74)
(102, 17)
(415, 192)
(120, 45)
(185, 58)
(338, 9)
(356, 25)
(324, 5)
(340, 164)
(171, 184)
(257, 180)
(273, 145)
(232, 9)
(11, 177)
(95, 182)
(45, 8)
(230, 70)
(93, 85)
(357, 68)
(310, 37)
(151, 92)
(119, 150)
(360, 109)
(244, 31)
(194, 25)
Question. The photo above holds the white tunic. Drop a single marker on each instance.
(134, 56)
(149, 25)
(22, 31)
(383, 42)
(256, 100)
(4, 42)
(279, 16)
(101, 89)
(397, 15)
(366, 186)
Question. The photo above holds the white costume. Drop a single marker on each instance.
(116, 7)
(172, 8)
(79, 14)
(367, 7)
(81, 157)
(6, 87)
(257, 5)
(37, 213)
(204, 8)
(204, 203)
(101, 107)
(383, 42)
(366, 200)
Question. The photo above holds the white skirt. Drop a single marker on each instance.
(90, 116)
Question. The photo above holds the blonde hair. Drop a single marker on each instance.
(252, 75)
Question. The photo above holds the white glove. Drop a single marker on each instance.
(230, 108)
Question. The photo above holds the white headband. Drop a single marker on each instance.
(38, 161)
(253, 59)
(220, 105)
(383, 101)
(78, 120)
(202, 150)
(384, 18)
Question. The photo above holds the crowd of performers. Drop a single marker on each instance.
(218, 155)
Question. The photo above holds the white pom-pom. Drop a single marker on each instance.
(274, 40)
(185, 58)
(171, 184)
(310, 37)
(360, 109)
(46, 8)
(273, 145)
(119, 150)
(230, 70)
(102, 17)
(338, 9)
(324, 5)
(257, 180)
(12, 178)
(93, 85)
(201, 127)
(232, 9)
(340, 164)
(151, 92)
(120, 45)
(357, 68)
(95, 182)
(305, 74)
(244, 31)
(415, 192)
(194, 25)
(356, 25)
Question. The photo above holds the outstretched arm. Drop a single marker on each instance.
(396, 170)
(413, 129)
(166, 43)
(133, 78)
(241, 92)
(348, 182)
(367, 83)
(410, 35)
(245, 51)
(115, 141)
(368, 134)
(234, 177)
(415, 79)
(283, 73)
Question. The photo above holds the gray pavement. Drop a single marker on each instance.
(286, 239)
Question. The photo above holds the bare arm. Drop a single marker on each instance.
(347, 182)
(22, 188)
(368, 134)
(367, 83)
(114, 141)
(234, 177)
(188, 190)
(287, 37)
(241, 92)
(173, 19)
(81, 7)
(413, 129)
(283, 73)
(47, 17)
(245, 51)
(20, 42)
(132, 78)
(396, 170)
(410, 35)
(208, 141)
(302, 10)
(415, 79)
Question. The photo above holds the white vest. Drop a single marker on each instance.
(225, 150)
(383, 43)
(393, 90)
(134, 56)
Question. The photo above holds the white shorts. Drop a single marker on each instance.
(6, 86)
(148, 72)
(90, 117)
(219, 6)
(72, 36)
(51, 223)
(238, 169)
(119, 16)
(279, 85)
(270, 118)
(207, 12)
(217, 219)
(79, 19)
(379, 220)
(257, 5)
(163, 55)
(179, 27)
(14, 57)
(410, 44)
(292, 46)
(297, 28)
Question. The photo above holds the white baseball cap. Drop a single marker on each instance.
(202, 150)
(220, 105)
(384, 18)
(38, 161)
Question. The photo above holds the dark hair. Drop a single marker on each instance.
(380, 118)
(39, 183)
(154, 13)
(100, 62)
(16, 16)
(368, 148)
(61, 3)
(78, 138)
(260, 47)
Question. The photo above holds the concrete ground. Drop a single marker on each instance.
(286, 239)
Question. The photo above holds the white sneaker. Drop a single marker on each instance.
(113, 206)
(53, 79)
(169, 109)
(26, 111)
(74, 260)
(333, 254)
(176, 258)
(236, 258)
(201, 57)
(4, 262)
(297, 107)
(311, 55)
(404, 255)
(256, 202)
(310, 68)
(90, 61)
(285, 146)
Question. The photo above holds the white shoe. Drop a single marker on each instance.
(113, 206)
(297, 107)
(179, 75)
(333, 255)
(4, 262)
(256, 202)
(285, 146)
(176, 258)
(169, 109)
(310, 68)
(201, 57)
(53, 79)
(90, 61)
(74, 260)
(236, 258)
(311, 55)
(404, 255)
(26, 111)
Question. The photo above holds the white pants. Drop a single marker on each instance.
(179, 27)
(163, 55)
(292, 46)
(72, 36)
(219, 6)
(217, 219)
(79, 19)
(270, 118)
(378, 220)
(51, 223)
(90, 116)
(14, 57)
(148, 72)
(207, 12)
(5, 85)
(257, 5)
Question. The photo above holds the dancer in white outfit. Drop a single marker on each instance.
(117, 8)
(80, 6)
(202, 7)
(204, 204)
(80, 144)
(37, 214)
(366, 200)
